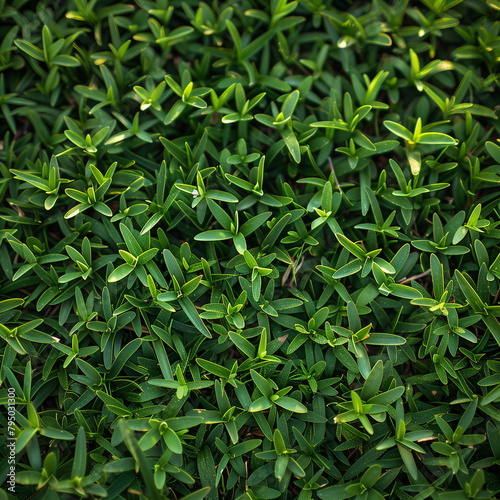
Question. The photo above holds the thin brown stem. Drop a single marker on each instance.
(415, 277)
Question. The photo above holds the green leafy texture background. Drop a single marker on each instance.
(250, 250)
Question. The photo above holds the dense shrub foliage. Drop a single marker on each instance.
(250, 250)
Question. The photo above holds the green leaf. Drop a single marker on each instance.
(403, 291)
(173, 267)
(372, 383)
(437, 276)
(409, 461)
(254, 223)
(133, 246)
(213, 368)
(290, 103)
(80, 460)
(494, 150)
(122, 357)
(291, 404)
(90, 372)
(206, 469)
(291, 143)
(371, 476)
(436, 138)
(30, 49)
(348, 269)
(388, 397)
(221, 216)
(263, 385)
(493, 326)
(214, 235)
(114, 405)
(399, 130)
(120, 272)
(140, 460)
(194, 317)
(66, 60)
(8, 304)
(470, 294)
(260, 404)
(243, 344)
(353, 248)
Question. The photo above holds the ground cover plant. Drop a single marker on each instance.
(250, 250)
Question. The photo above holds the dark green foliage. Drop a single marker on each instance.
(250, 250)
